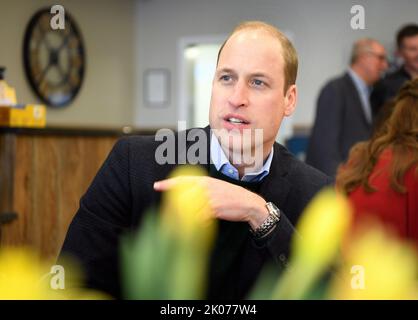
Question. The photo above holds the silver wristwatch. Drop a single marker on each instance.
(268, 224)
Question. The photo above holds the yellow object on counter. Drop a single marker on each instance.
(30, 115)
(7, 94)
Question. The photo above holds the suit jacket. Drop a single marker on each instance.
(340, 122)
(387, 88)
(123, 188)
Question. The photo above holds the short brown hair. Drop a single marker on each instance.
(289, 53)
(409, 30)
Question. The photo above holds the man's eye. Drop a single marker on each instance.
(225, 78)
(257, 82)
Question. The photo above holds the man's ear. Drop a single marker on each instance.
(290, 100)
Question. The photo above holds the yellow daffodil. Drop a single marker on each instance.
(169, 257)
(189, 223)
(20, 275)
(24, 276)
(186, 209)
(321, 229)
(377, 266)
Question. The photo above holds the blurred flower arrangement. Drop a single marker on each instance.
(20, 275)
(24, 276)
(332, 260)
(168, 257)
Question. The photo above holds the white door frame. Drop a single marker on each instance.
(183, 43)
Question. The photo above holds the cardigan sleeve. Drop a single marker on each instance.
(278, 243)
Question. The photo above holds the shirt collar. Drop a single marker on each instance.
(222, 164)
(359, 82)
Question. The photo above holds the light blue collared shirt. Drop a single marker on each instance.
(364, 92)
(223, 165)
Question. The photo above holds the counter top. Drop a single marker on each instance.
(78, 131)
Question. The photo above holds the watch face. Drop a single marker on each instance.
(54, 59)
(273, 210)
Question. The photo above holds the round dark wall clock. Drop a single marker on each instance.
(54, 59)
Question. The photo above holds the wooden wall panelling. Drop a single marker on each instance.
(42, 178)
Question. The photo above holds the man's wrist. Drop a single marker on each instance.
(269, 223)
(258, 213)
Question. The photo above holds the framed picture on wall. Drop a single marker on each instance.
(157, 88)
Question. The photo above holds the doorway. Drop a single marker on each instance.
(197, 61)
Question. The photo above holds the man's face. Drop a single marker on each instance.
(409, 52)
(375, 63)
(248, 87)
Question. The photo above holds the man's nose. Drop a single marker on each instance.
(239, 95)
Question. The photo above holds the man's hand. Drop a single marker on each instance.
(227, 201)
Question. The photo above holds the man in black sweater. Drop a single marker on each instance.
(257, 201)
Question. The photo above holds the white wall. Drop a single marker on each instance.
(321, 32)
(107, 26)
(205, 66)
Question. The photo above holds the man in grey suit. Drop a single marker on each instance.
(343, 115)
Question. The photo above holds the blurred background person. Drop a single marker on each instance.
(383, 116)
(381, 175)
(343, 115)
(407, 50)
